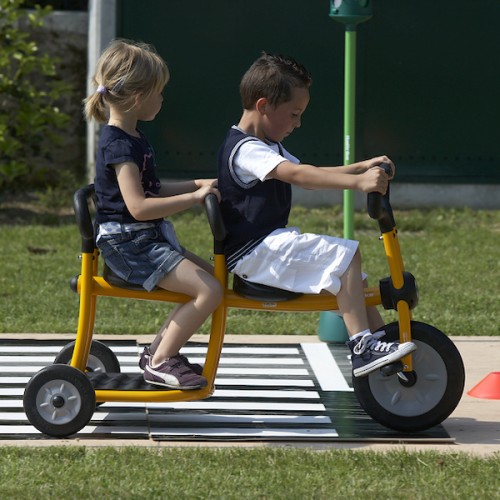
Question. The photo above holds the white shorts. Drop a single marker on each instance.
(304, 263)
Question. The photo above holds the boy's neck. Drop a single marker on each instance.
(250, 124)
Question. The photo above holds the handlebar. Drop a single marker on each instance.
(379, 207)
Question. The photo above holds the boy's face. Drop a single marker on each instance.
(280, 121)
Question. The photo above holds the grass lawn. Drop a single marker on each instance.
(453, 254)
(236, 473)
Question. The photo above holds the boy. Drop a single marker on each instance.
(255, 173)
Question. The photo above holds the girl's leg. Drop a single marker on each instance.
(205, 266)
(190, 279)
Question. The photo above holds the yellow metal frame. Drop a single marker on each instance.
(90, 286)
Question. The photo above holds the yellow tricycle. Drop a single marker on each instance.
(414, 394)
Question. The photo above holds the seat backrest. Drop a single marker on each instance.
(83, 203)
(216, 222)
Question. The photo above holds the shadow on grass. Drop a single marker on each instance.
(29, 212)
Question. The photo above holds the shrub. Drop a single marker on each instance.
(30, 120)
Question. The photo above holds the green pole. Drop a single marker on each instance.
(349, 123)
(349, 12)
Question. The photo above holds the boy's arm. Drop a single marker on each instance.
(362, 166)
(142, 208)
(363, 176)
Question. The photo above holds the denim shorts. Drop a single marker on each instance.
(143, 256)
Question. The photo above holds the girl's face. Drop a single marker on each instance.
(280, 121)
(148, 108)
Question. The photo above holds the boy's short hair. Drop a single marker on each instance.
(272, 77)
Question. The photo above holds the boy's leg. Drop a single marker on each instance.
(368, 353)
(351, 298)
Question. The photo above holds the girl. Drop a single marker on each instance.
(137, 244)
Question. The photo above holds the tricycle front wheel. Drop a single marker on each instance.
(422, 398)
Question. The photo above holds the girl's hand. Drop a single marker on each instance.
(203, 191)
(205, 182)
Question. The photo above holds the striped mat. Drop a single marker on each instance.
(267, 392)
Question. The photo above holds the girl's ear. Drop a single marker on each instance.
(138, 99)
(261, 105)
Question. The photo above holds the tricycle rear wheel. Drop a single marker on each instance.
(59, 400)
(101, 358)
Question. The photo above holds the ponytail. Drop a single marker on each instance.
(124, 70)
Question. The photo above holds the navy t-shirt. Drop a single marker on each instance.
(116, 146)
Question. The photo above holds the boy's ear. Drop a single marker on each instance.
(261, 105)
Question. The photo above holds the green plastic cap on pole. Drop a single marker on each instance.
(350, 12)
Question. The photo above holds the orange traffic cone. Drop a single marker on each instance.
(488, 388)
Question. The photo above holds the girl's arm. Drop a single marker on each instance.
(142, 208)
(181, 187)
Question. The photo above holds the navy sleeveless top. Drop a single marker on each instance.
(250, 211)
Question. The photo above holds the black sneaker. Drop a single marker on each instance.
(174, 374)
(369, 353)
(146, 354)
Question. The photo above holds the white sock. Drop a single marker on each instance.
(360, 334)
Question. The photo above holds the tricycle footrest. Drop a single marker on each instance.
(121, 382)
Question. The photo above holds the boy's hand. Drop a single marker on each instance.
(375, 162)
(373, 180)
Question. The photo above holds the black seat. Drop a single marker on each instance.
(115, 280)
(241, 286)
(256, 291)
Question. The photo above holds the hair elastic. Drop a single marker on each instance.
(101, 89)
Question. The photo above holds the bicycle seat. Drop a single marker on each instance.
(256, 291)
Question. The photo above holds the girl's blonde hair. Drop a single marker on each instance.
(124, 70)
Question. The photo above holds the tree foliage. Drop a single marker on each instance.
(29, 91)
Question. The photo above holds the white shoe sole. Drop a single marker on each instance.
(404, 350)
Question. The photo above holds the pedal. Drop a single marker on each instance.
(392, 369)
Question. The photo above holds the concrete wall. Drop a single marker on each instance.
(64, 36)
(79, 37)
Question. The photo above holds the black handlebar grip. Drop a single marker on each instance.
(374, 200)
(215, 217)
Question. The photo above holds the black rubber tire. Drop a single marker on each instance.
(101, 357)
(59, 400)
(438, 387)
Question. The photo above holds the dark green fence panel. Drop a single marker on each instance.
(428, 78)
